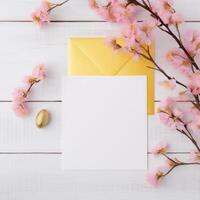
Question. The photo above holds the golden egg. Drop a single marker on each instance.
(42, 119)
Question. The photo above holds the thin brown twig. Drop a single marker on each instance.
(150, 58)
(191, 139)
(178, 31)
(187, 134)
(179, 164)
(31, 85)
(166, 156)
(57, 5)
(176, 163)
(149, 3)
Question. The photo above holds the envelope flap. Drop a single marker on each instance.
(101, 55)
(91, 57)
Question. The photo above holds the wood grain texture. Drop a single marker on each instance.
(30, 157)
(21, 135)
(40, 177)
(78, 10)
(23, 46)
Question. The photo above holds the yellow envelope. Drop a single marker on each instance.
(90, 56)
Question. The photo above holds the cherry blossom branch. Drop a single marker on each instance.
(176, 163)
(160, 69)
(29, 88)
(137, 37)
(186, 133)
(155, 176)
(151, 59)
(168, 30)
(20, 95)
(41, 15)
(57, 5)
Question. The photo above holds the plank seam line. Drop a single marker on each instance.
(60, 153)
(34, 101)
(60, 101)
(75, 21)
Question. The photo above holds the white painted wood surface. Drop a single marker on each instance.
(78, 10)
(29, 157)
(39, 177)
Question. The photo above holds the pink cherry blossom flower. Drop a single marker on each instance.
(153, 177)
(167, 120)
(194, 84)
(136, 36)
(146, 31)
(115, 11)
(112, 42)
(28, 80)
(195, 156)
(93, 4)
(184, 96)
(130, 36)
(167, 104)
(170, 114)
(39, 72)
(194, 125)
(160, 148)
(130, 29)
(165, 10)
(168, 164)
(177, 112)
(19, 98)
(180, 61)
(191, 36)
(19, 95)
(169, 84)
(123, 13)
(20, 109)
(165, 5)
(106, 14)
(190, 118)
(130, 32)
(191, 40)
(41, 15)
(176, 19)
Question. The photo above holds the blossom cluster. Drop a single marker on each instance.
(41, 15)
(115, 11)
(20, 95)
(124, 11)
(164, 9)
(136, 36)
(154, 177)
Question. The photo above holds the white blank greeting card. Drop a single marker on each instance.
(104, 123)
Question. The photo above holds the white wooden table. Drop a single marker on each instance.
(29, 157)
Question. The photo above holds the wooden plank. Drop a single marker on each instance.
(23, 46)
(40, 177)
(21, 135)
(78, 10)
(17, 134)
